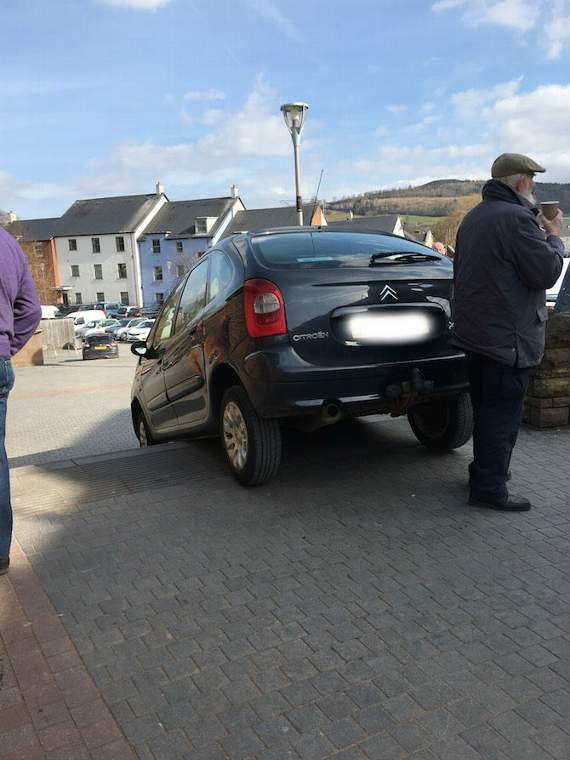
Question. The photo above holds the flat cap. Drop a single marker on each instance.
(514, 163)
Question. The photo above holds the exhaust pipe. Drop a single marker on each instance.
(330, 412)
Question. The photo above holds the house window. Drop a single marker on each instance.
(75, 270)
(124, 298)
(120, 243)
(179, 246)
(155, 245)
(157, 274)
(201, 226)
(96, 245)
(72, 242)
(180, 270)
(122, 268)
(100, 296)
(159, 298)
(99, 275)
(78, 298)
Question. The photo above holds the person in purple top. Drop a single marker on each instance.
(20, 313)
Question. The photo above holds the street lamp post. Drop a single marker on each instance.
(294, 115)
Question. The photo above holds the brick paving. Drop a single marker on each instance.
(70, 408)
(354, 608)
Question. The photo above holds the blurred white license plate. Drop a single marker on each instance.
(391, 328)
(101, 348)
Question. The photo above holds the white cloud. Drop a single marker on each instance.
(144, 5)
(522, 16)
(268, 10)
(557, 30)
(469, 103)
(502, 118)
(211, 94)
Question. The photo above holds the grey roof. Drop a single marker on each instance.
(177, 218)
(32, 230)
(380, 223)
(267, 218)
(106, 216)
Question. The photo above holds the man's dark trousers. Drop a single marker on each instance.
(497, 394)
(6, 383)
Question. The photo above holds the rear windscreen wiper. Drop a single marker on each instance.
(397, 257)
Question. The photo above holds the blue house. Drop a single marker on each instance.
(177, 236)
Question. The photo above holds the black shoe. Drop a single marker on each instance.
(507, 504)
(4, 564)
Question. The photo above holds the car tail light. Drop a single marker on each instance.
(264, 309)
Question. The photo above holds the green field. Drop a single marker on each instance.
(422, 221)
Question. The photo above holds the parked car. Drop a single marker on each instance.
(140, 332)
(129, 311)
(306, 326)
(111, 308)
(81, 317)
(121, 333)
(552, 293)
(99, 346)
(83, 329)
(119, 323)
(102, 327)
(50, 312)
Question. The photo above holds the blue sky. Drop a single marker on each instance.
(105, 97)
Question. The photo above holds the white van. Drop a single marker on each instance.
(81, 317)
(50, 312)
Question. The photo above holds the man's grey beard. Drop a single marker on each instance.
(529, 197)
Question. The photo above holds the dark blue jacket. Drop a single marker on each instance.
(503, 264)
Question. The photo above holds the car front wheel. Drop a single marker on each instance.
(443, 424)
(252, 444)
(143, 432)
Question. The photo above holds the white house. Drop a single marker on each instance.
(97, 247)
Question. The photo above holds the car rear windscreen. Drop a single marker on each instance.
(329, 249)
(99, 338)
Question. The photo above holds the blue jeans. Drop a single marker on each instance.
(6, 384)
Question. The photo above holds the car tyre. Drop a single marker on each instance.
(252, 444)
(142, 431)
(443, 424)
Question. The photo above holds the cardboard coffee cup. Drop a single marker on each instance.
(549, 209)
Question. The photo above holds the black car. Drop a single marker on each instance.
(99, 347)
(306, 326)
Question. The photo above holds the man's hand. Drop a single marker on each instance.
(551, 226)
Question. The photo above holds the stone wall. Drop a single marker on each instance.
(547, 403)
(31, 353)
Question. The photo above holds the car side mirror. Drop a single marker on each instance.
(140, 348)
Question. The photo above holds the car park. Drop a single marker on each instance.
(101, 327)
(304, 326)
(121, 333)
(99, 346)
(140, 331)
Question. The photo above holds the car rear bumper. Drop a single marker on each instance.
(108, 353)
(355, 390)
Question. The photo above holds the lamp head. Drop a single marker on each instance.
(294, 115)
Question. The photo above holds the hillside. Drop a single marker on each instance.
(437, 198)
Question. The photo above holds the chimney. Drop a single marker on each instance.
(234, 191)
(12, 217)
(159, 188)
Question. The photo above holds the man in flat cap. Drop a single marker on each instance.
(507, 254)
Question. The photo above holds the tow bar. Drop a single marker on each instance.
(402, 396)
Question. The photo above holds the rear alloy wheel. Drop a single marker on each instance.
(443, 424)
(143, 432)
(252, 445)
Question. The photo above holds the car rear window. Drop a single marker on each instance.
(328, 249)
(99, 338)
